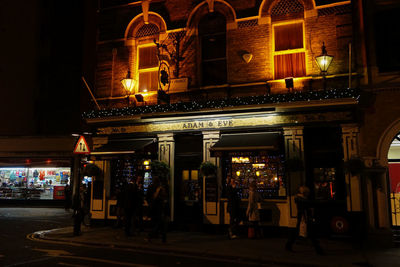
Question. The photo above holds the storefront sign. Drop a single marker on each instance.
(207, 124)
(180, 84)
(235, 122)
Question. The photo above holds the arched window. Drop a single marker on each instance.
(212, 34)
(288, 39)
(147, 57)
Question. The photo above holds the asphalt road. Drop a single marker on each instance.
(16, 223)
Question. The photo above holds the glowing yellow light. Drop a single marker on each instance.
(146, 162)
(238, 173)
(257, 173)
(128, 83)
(276, 178)
(144, 90)
(258, 165)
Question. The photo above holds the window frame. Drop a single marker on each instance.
(288, 51)
(144, 70)
(204, 82)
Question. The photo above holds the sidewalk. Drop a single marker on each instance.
(263, 251)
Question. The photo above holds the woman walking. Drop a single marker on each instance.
(253, 213)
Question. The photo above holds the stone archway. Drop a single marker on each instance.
(385, 141)
(382, 154)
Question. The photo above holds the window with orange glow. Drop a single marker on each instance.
(148, 68)
(289, 51)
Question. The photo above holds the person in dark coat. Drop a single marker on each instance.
(139, 204)
(157, 198)
(233, 208)
(129, 207)
(305, 214)
(120, 194)
(67, 194)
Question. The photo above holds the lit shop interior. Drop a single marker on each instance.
(33, 183)
(266, 170)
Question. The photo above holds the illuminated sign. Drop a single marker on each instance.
(235, 122)
(207, 124)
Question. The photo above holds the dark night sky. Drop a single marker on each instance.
(41, 64)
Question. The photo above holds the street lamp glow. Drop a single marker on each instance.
(128, 83)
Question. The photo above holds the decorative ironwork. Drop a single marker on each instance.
(285, 7)
(345, 9)
(147, 30)
(247, 23)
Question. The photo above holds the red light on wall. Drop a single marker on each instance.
(28, 161)
(48, 161)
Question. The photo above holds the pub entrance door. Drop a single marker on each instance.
(188, 184)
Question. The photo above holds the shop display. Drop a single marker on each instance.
(266, 170)
(324, 183)
(32, 183)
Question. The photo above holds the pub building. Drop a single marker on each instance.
(249, 86)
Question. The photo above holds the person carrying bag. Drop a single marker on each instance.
(253, 211)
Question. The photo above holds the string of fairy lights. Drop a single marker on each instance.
(225, 102)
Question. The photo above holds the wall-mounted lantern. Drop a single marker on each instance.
(324, 61)
(129, 84)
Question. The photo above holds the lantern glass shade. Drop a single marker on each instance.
(323, 62)
(128, 84)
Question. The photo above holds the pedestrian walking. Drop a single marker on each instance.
(67, 195)
(253, 211)
(120, 194)
(157, 197)
(305, 226)
(233, 208)
(139, 204)
(129, 207)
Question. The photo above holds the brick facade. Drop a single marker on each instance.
(251, 34)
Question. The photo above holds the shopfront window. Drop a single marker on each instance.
(33, 183)
(266, 170)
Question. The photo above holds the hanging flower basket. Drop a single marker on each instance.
(295, 164)
(208, 168)
(160, 169)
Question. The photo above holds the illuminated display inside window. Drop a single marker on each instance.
(267, 171)
(33, 183)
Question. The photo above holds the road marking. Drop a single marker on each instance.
(68, 264)
(167, 253)
(54, 252)
(106, 261)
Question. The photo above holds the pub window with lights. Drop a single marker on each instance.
(147, 57)
(289, 50)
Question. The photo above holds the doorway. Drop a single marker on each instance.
(188, 157)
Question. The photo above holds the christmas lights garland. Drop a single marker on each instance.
(225, 102)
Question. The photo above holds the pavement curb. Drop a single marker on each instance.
(63, 237)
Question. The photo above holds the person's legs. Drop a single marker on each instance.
(292, 233)
(257, 229)
(313, 237)
(128, 223)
